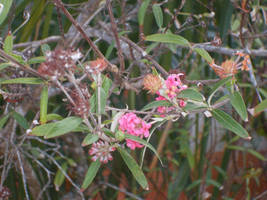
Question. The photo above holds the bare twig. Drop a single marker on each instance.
(116, 36)
(21, 66)
(121, 190)
(23, 176)
(37, 43)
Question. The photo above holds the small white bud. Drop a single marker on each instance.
(1, 8)
(35, 122)
(144, 53)
(207, 113)
(28, 131)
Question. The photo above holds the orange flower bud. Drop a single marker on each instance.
(152, 83)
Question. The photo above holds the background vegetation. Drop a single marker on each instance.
(201, 158)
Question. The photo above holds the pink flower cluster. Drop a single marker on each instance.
(101, 150)
(174, 86)
(131, 124)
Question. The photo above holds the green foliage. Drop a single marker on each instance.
(229, 123)
(5, 7)
(188, 144)
(91, 173)
(134, 168)
(59, 128)
(168, 38)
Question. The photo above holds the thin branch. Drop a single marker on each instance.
(37, 43)
(23, 176)
(230, 52)
(80, 29)
(116, 36)
(121, 190)
(23, 67)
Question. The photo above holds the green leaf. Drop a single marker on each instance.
(8, 43)
(21, 120)
(229, 123)
(91, 173)
(256, 154)
(251, 151)
(43, 105)
(45, 48)
(3, 120)
(35, 60)
(30, 80)
(4, 65)
(204, 54)
(239, 105)
(158, 14)
(4, 9)
(102, 99)
(199, 181)
(134, 168)
(168, 38)
(106, 84)
(53, 116)
(59, 178)
(217, 86)
(154, 104)
(143, 142)
(191, 94)
(235, 147)
(59, 128)
(142, 12)
(259, 108)
(90, 139)
(93, 103)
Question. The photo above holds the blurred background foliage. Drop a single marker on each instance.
(201, 160)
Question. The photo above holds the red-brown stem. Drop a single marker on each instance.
(59, 4)
(116, 36)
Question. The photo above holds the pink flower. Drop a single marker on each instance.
(174, 86)
(182, 103)
(101, 150)
(131, 124)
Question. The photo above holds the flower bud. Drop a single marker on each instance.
(119, 135)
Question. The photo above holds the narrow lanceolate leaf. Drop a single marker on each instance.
(155, 104)
(4, 65)
(3, 121)
(107, 82)
(256, 154)
(4, 9)
(217, 86)
(143, 142)
(204, 54)
(239, 105)
(168, 38)
(259, 108)
(55, 129)
(142, 12)
(8, 43)
(35, 60)
(90, 139)
(21, 120)
(53, 116)
(158, 14)
(191, 94)
(43, 105)
(91, 173)
(134, 168)
(30, 80)
(59, 178)
(229, 123)
(102, 99)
